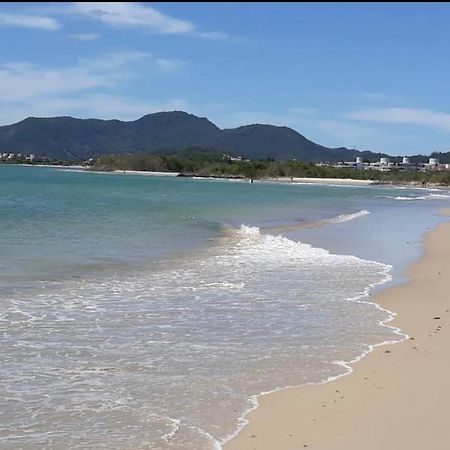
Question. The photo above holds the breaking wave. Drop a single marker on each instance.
(177, 354)
(421, 197)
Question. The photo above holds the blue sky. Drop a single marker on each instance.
(370, 76)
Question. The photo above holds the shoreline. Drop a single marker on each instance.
(54, 166)
(385, 395)
(243, 179)
(327, 181)
(136, 172)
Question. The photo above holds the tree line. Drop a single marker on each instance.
(210, 163)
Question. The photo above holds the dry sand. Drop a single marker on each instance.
(396, 398)
(327, 181)
(147, 173)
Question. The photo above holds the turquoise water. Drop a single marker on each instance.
(148, 312)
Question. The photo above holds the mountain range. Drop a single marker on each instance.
(69, 138)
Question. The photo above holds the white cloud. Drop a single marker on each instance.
(169, 65)
(84, 36)
(133, 14)
(113, 61)
(408, 116)
(22, 81)
(29, 21)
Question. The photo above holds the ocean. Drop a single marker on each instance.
(145, 312)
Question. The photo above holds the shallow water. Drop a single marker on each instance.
(140, 312)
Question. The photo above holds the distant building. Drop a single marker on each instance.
(385, 165)
(433, 162)
(234, 158)
(357, 164)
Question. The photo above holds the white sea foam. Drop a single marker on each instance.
(347, 217)
(346, 365)
(421, 197)
(439, 196)
(175, 427)
(173, 352)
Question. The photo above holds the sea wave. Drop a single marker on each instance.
(204, 335)
(285, 248)
(341, 218)
(421, 197)
(346, 217)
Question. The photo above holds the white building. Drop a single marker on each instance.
(433, 162)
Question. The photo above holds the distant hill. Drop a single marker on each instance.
(70, 138)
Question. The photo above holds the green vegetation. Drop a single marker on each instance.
(209, 163)
(22, 159)
(189, 161)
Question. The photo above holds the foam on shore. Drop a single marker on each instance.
(397, 379)
(421, 197)
(346, 365)
(250, 303)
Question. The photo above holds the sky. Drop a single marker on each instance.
(367, 76)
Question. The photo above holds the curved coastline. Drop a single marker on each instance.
(346, 365)
(316, 415)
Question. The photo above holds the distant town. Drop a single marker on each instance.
(20, 158)
(385, 165)
(16, 157)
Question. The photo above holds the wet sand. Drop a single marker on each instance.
(327, 181)
(396, 398)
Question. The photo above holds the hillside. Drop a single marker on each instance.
(70, 138)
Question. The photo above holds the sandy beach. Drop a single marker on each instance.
(134, 172)
(328, 181)
(145, 173)
(398, 397)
